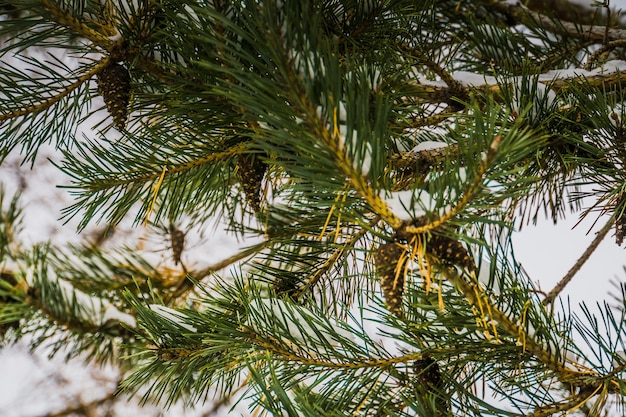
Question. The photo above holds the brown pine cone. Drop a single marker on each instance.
(391, 274)
(177, 238)
(450, 251)
(114, 86)
(251, 170)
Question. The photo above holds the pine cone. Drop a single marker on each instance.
(427, 372)
(620, 221)
(114, 86)
(430, 383)
(387, 258)
(620, 229)
(250, 170)
(178, 243)
(450, 251)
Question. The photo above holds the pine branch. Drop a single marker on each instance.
(100, 172)
(246, 253)
(53, 312)
(335, 143)
(331, 137)
(230, 97)
(522, 15)
(607, 80)
(43, 105)
(424, 159)
(285, 352)
(456, 92)
(80, 26)
(477, 297)
(463, 201)
(338, 255)
(604, 50)
(571, 403)
(164, 171)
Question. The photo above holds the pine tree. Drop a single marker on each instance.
(385, 151)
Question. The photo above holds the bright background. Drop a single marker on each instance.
(31, 385)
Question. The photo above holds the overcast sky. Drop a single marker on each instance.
(546, 252)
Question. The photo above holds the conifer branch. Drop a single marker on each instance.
(426, 93)
(278, 349)
(224, 263)
(164, 171)
(358, 181)
(611, 80)
(11, 114)
(331, 261)
(184, 285)
(210, 158)
(569, 404)
(520, 14)
(455, 87)
(166, 75)
(425, 159)
(117, 49)
(604, 49)
(283, 81)
(415, 122)
(413, 165)
(335, 144)
(66, 18)
(72, 323)
(478, 298)
(467, 196)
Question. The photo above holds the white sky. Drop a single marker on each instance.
(546, 252)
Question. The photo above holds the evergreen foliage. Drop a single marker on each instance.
(384, 150)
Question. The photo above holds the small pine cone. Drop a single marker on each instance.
(450, 251)
(114, 86)
(287, 286)
(387, 257)
(430, 382)
(178, 243)
(620, 229)
(427, 372)
(250, 170)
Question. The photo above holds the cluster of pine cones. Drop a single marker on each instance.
(391, 258)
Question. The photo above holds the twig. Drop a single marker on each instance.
(332, 259)
(166, 171)
(609, 46)
(567, 405)
(11, 114)
(522, 15)
(477, 298)
(426, 158)
(465, 199)
(247, 252)
(579, 263)
(608, 80)
(66, 18)
(454, 86)
(186, 284)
